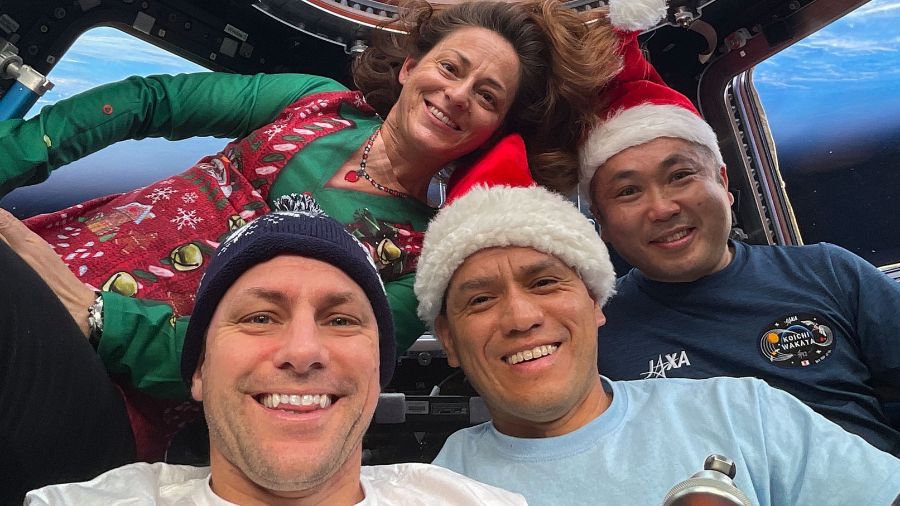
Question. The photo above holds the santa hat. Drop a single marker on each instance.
(505, 164)
(502, 216)
(641, 108)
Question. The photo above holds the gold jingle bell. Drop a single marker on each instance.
(387, 251)
(122, 283)
(235, 222)
(186, 257)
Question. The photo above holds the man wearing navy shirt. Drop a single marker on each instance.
(816, 321)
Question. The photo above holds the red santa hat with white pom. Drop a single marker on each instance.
(641, 107)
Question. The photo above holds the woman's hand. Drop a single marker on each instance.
(40, 256)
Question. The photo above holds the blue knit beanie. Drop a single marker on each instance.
(309, 233)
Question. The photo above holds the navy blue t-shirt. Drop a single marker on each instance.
(816, 321)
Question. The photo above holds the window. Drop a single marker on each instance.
(833, 106)
(102, 55)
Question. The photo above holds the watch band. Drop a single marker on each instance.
(95, 321)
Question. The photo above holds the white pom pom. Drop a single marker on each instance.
(634, 15)
(300, 203)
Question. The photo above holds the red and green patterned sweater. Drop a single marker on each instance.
(146, 249)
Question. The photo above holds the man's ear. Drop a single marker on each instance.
(594, 209)
(444, 335)
(723, 177)
(598, 315)
(601, 226)
(408, 65)
(598, 218)
(197, 378)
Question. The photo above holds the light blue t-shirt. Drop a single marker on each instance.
(658, 433)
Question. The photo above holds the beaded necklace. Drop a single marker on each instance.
(353, 176)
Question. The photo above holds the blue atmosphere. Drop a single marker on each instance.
(100, 56)
(844, 80)
(833, 104)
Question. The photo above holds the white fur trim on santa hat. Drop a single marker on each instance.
(637, 125)
(502, 216)
(635, 15)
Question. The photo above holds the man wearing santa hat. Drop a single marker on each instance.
(816, 321)
(512, 281)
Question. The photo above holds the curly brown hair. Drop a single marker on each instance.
(566, 58)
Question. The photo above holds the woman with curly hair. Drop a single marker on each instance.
(448, 88)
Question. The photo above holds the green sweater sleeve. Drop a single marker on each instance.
(174, 107)
(407, 325)
(142, 341)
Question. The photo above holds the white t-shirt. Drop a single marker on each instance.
(173, 485)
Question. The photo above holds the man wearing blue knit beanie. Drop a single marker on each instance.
(289, 343)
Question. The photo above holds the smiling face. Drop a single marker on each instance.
(665, 207)
(456, 96)
(289, 381)
(523, 327)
